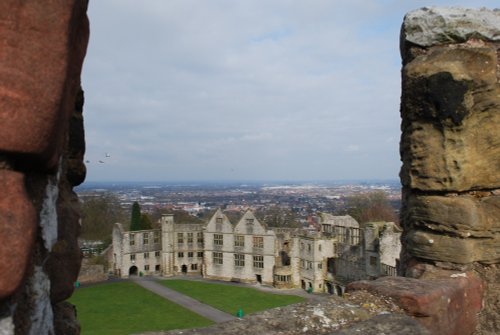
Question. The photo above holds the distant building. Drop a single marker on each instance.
(322, 260)
(245, 252)
(136, 251)
(91, 248)
(364, 251)
(182, 250)
(172, 249)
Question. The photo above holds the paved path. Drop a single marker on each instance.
(194, 305)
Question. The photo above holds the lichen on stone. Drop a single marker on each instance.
(48, 214)
(42, 316)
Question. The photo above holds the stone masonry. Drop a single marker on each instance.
(42, 47)
(450, 148)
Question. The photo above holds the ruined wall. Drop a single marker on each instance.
(41, 158)
(450, 148)
(91, 273)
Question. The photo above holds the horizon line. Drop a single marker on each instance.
(246, 180)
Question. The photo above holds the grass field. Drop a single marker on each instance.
(124, 308)
(229, 298)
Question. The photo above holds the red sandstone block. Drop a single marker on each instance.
(17, 230)
(444, 306)
(42, 45)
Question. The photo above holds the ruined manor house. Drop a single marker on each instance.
(318, 261)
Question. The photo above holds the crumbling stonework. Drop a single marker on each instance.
(363, 312)
(450, 148)
(434, 302)
(41, 160)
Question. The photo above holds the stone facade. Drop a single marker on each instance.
(183, 251)
(135, 252)
(171, 250)
(245, 252)
(250, 252)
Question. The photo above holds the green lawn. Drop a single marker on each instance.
(230, 298)
(124, 308)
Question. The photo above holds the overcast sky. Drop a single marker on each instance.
(244, 89)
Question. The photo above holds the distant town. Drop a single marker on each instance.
(199, 198)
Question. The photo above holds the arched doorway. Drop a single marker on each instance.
(132, 271)
(184, 269)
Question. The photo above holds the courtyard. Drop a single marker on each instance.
(231, 298)
(125, 307)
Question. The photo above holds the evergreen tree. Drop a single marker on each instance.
(135, 221)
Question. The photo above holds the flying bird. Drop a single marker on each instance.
(101, 161)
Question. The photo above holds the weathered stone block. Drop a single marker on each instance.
(474, 62)
(40, 61)
(444, 248)
(42, 45)
(450, 110)
(489, 319)
(462, 216)
(438, 25)
(444, 306)
(17, 230)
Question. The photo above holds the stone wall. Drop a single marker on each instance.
(450, 148)
(91, 273)
(41, 160)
